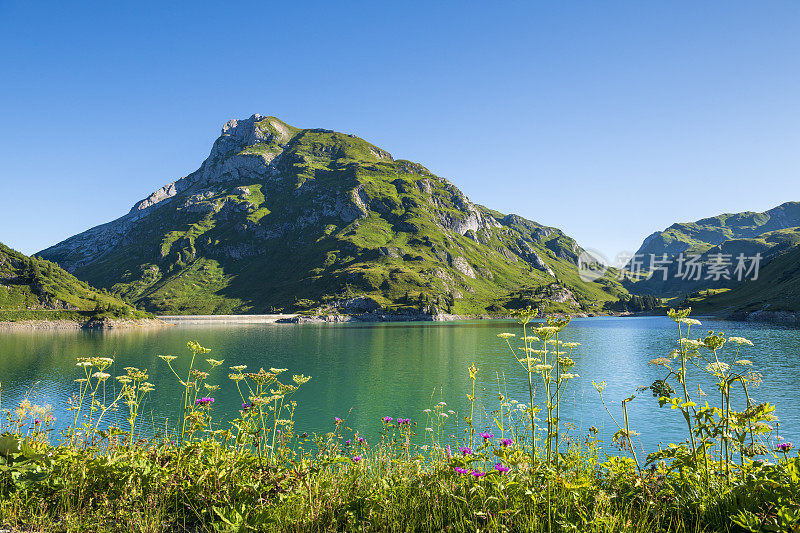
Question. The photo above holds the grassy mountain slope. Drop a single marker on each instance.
(32, 288)
(285, 218)
(776, 289)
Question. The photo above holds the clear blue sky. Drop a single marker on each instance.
(609, 120)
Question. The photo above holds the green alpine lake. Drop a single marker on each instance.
(363, 372)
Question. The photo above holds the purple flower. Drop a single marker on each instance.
(784, 447)
(486, 436)
(449, 452)
(401, 421)
(460, 470)
(387, 419)
(347, 442)
(478, 473)
(506, 442)
(337, 420)
(36, 421)
(465, 451)
(204, 401)
(356, 458)
(500, 468)
(361, 440)
(246, 406)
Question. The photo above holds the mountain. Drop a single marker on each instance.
(279, 217)
(704, 234)
(33, 288)
(776, 291)
(769, 234)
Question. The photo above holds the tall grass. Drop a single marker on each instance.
(435, 472)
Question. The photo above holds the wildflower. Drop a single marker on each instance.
(450, 411)
(444, 415)
(784, 447)
(689, 321)
(356, 458)
(522, 407)
(599, 386)
(659, 361)
(465, 451)
(486, 436)
(348, 442)
(744, 362)
(477, 473)
(473, 371)
(204, 401)
(449, 453)
(691, 344)
(569, 375)
(401, 421)
(740, 341)
(214, 362)
(337, 420)
(83, 363)
(426, 411)
(442, 404)
(501, 468)
(362, 440)
(506, 442)
(101, 376)
(571, 344)
(247, 406)
(424, 447)
(429, 429)
(718, 367)
(460, 470)
(506, 335)
(387, 419)
(543, 368)
(36, 422)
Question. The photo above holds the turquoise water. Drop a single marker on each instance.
(363, 372)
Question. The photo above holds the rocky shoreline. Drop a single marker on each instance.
(774, 317)
(104, 324)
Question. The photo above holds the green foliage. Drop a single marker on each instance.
(32, 288)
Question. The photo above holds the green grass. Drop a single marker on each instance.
(35, 289)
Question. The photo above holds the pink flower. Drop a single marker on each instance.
(784, 447)
(478, 473)
(486, 436)
(500, 468)
(460, 470)
(506, 442)
(356, 458)
(465, 451)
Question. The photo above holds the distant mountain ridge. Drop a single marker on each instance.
(727, 236)
(703, 234)
(279, 217)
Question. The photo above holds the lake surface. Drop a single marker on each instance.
(363, 372)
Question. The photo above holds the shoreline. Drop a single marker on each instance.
(62, 325)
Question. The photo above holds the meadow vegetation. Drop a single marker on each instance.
(519, 467)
